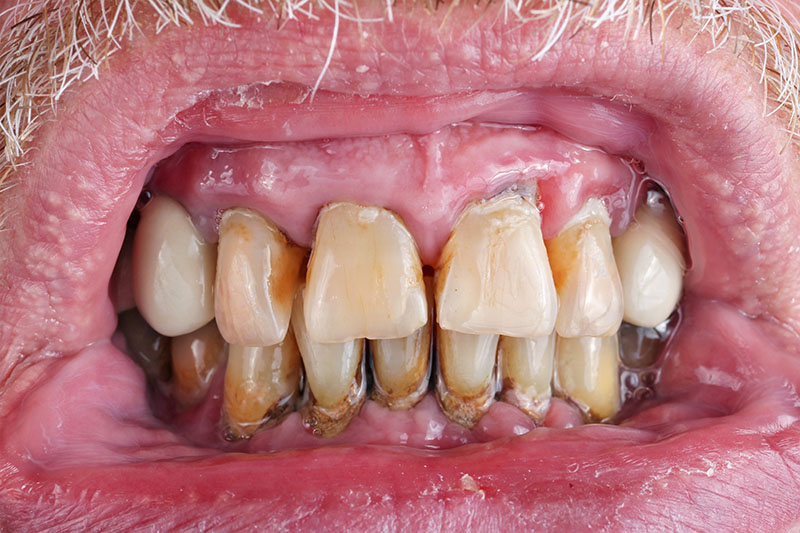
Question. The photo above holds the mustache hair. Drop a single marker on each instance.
(52, 45)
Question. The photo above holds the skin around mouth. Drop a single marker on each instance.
(718, 446)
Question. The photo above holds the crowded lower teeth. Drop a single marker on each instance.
(518, 319)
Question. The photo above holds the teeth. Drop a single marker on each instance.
(196, 357)
(257, 272)
(119, 287)
(148, 348)
(586, 278)
(650, 260)
(527, 370)
(587, 372)
(466, 383)
(261, 383)
(173, 269)
(364, 277)
(495, 276)
(335, 375)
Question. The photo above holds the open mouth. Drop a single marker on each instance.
(439, 286)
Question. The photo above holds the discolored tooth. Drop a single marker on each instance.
(527, 370)
(261, 385)
(494, 275)
(466, 383)
(147, 347)
(173, 269)
(585, 275)
(641, 347)
(587, 372)
(257, 271)
(120, 287)
(196, 357)
(650, 259)
(364, 277)
(336, 384)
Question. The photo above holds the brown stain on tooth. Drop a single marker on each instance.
(147, 347)
(327, 422)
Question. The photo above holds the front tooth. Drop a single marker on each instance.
(466, 383)
(334, 374)
(364, 277)
(257, 272)
(586, 277)
(651, 263)
(587, 372)
(495, 276)
(196, 357)
(261, 384)
(527, 370)
(173, 269)
(147, 347)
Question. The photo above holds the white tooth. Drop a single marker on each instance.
(587, 372)
(334, 375)
(466, 382)
(261, 383)
(196, 356)
(651, 263)
(364, 277)
(527, 370)
(257, 272)
(495, 276)
(173, 269)
(586, 277)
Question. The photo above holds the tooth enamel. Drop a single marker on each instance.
(196, 357)
(257, 272)
(585, 275)
(466, 382)
(148, 348)
(261, 384)
(334, 376)
(173, 269)
(651, 263)
(495, 276)
(364, 277)
(527, 370)
(587, 372)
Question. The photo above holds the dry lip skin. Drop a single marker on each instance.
(726, 397)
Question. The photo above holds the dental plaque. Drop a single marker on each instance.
(290, 295)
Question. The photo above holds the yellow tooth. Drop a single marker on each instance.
(261, 384)
(173, 269)
(587, 372)
(364, 277)
(257, 272)
(585, 274)
(466, 384)
(336, 383)
(650, 259)
(495, 276)
(196, 356)
(527, 370)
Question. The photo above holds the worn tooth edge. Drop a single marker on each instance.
(329, 422)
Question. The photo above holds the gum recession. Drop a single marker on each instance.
(80, 190)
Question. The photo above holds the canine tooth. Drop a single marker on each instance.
(527, 370)
(196, 357)
(364, 277)
(336, 383)
(651, 263)
(147, 347)
(173, 269)
(261, 384)
(257, 272)
(585, 274)
(466, 384)
(495, 276)
(587, 372)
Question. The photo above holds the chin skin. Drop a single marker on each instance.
(716, 448)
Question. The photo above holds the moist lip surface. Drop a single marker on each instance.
(722, 433)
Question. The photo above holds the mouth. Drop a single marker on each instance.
(419, 203)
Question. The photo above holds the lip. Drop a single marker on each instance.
(701, 146)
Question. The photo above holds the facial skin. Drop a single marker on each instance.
(81, 134)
